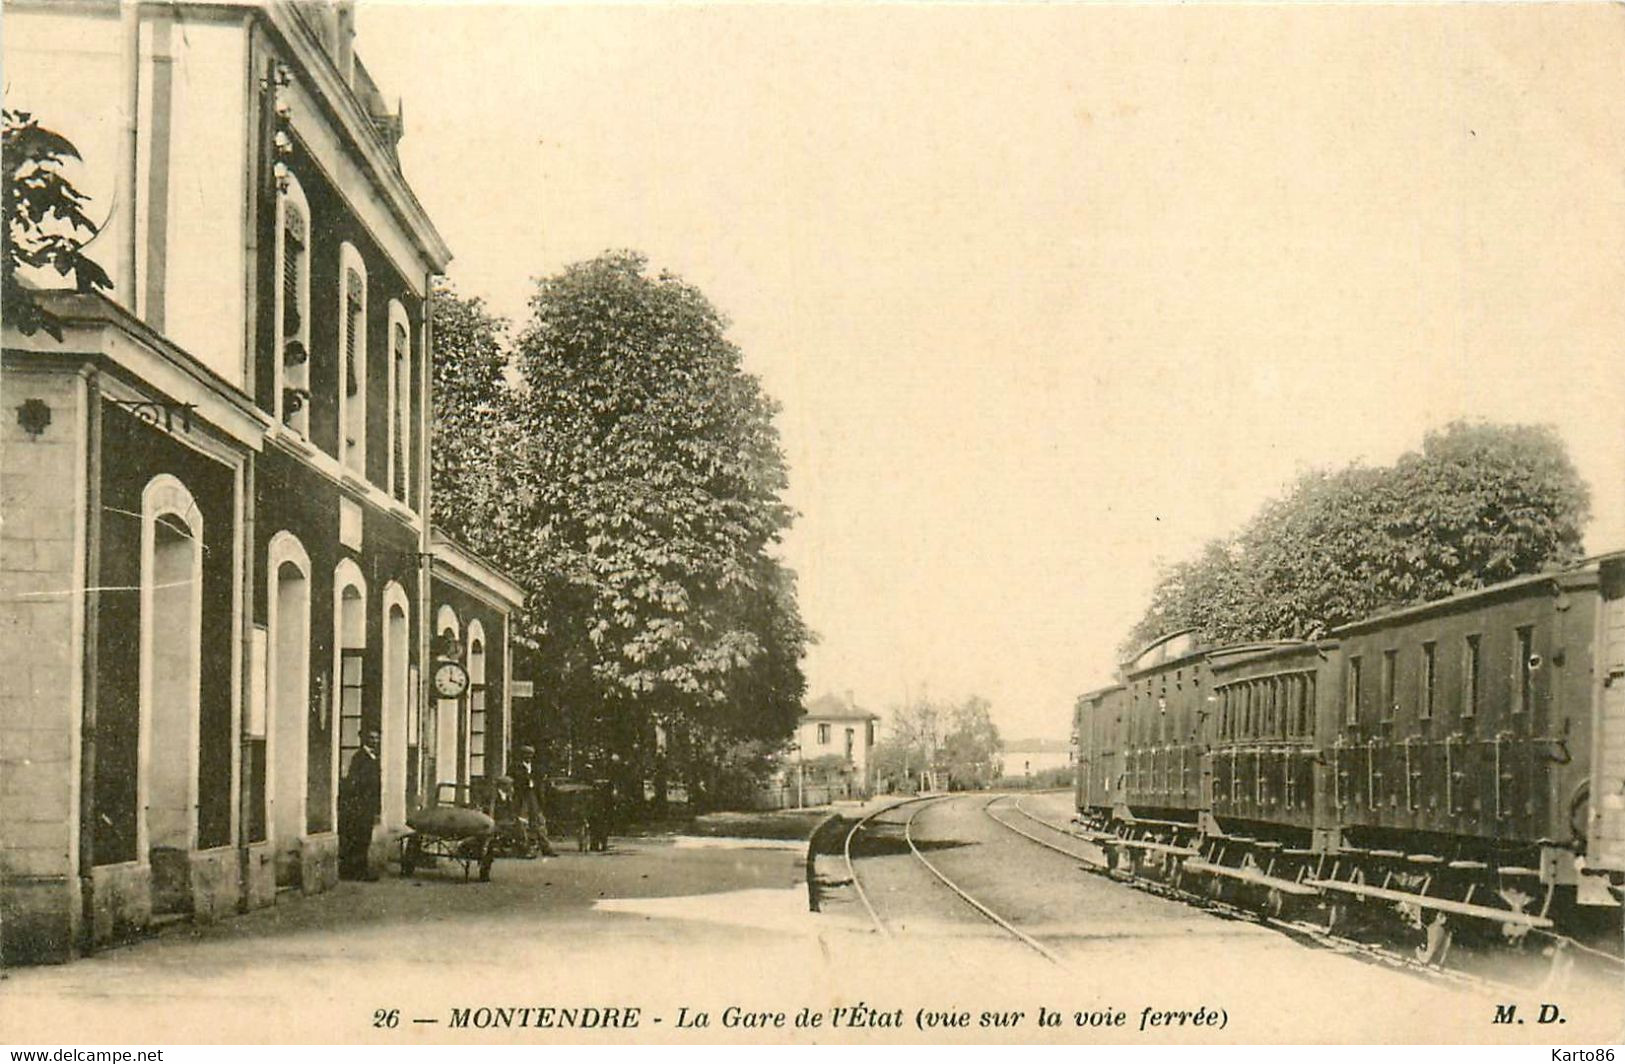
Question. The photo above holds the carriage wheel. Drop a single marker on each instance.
(1436, 944)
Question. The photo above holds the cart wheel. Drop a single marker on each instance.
(409, 855)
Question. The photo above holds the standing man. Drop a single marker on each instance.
(360, 799)
(527, 793)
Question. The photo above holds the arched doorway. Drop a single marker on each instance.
(170, 675)
(397, 705)
(288, 696)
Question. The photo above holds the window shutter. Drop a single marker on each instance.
(352, 299)
(293, 254)
(402, 404)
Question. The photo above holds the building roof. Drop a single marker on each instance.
(833, 707)
(452, 559)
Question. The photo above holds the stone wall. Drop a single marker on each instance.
(41, 617)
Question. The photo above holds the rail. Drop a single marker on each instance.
(960, 892)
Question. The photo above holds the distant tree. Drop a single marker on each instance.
(1479, 503)
(958, 739)
(46, 224)
(970, 749)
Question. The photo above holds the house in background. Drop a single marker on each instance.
(1030, 757)
(835, 739)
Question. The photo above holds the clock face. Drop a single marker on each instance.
(450, 679)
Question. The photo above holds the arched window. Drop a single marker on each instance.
(292, 352)
(400, 401)
(336, 735)
(352, 360)
(477, 719)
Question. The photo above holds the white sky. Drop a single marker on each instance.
(1051, 293)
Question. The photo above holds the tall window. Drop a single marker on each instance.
(350, 690)
(292, 359)
(1351, 710)
(336, 721)
(1429, 674)
(400, 401)
(352, 361)
(476, 706)
(823, 735)
(851, 740)
(1523, 670)
(1469, 677)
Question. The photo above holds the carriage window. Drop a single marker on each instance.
(1429, 672)
(1523, 669)
(1390, 661)
(1469, 681)
(1351, 710)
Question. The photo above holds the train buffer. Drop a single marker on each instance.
(1250, 875)
(1428, 901)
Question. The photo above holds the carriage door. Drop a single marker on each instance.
(1607, 849)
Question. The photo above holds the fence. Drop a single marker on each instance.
(790, 796)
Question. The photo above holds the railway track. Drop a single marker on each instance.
(1300, 931)
(918, 805)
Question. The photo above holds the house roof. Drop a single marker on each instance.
(832, 707)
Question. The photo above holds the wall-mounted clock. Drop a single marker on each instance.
(450, 679)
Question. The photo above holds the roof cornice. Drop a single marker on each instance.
(300, 39)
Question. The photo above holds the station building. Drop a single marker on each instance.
(216, 562)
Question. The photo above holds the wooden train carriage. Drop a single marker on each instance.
(1094, 723)
(1465, 724)
(1267, 704)
(1605, 844)
(1160, 743)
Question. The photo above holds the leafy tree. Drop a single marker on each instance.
(473, 454)
(632, 480)
(1479, 503)
(46, 224)
(970, 749)
(957, 740)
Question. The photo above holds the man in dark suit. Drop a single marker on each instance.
(527, 793)
(360, 799)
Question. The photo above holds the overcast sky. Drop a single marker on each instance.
(1050, 294)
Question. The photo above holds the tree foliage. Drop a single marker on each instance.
(46, 224)
(956, 740)
(473, 439)
(633, 481)
(1478, 504)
